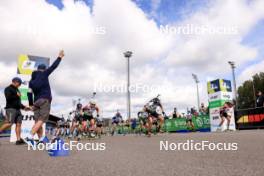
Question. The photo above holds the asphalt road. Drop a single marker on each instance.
(139, 155)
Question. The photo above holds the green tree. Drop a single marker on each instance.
(248, 90)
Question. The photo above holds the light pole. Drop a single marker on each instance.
(127, 55)
(232, 64)
(197, 87)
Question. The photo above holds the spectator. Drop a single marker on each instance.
(1, 113)
(40, 87)
(13, 109)
(194, 112)
(133, 124)
(203, 110)
(260, 99)
(189, 121)
(175, 114)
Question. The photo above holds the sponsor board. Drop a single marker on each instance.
(27, 63)
(213, 86)
(219, 85)
(214, 111)
(215, 120)
(216, 104)
(219, 92)
(179, 124)
(225, 85)
(220, 96)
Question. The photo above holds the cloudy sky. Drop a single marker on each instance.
(170, 39)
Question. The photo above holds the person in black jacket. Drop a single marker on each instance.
(39, 87)
(13, 107)
(260, 99)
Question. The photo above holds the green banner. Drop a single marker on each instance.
(173, 125)
(216, 104)
(23, 92)
(179, 124)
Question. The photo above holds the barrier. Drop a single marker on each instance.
(128, 130)
(252, 118)
(201, 123)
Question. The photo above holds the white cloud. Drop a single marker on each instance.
(251, 71)
(209, 53)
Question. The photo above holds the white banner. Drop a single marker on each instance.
(220, 90)
(215, 120)
(220, 96)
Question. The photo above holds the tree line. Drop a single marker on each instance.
(247, 92)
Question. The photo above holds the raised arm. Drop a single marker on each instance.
(55, 63)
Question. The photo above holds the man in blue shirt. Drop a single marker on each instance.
(40, 87)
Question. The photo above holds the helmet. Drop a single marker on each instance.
(79, 106)
(156, 100)
(92, 102)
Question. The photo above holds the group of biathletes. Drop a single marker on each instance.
(84, 121)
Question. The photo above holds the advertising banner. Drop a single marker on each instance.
(216, 103)
(219, 92)
(219, 85)
(25, 66)
(220, 96)
(27, 63)
(215, 119)
(179, 124)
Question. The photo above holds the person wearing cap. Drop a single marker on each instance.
(39, 86)
(13, 107)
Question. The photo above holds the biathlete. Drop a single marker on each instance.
(225, 113)
(156, 115)
(116, 120)
(77, 120)
(89, 116)
(143, 118)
